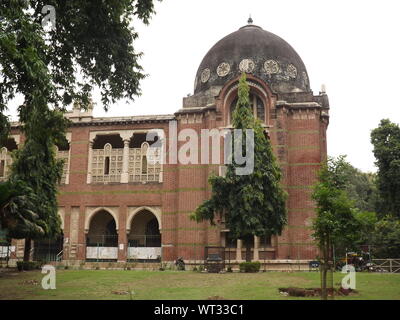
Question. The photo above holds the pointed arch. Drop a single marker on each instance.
(90, 216)
(132, 214)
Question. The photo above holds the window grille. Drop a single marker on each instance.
(105, 171)
(144, 164)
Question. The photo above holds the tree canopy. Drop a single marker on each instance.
(90, 44)
(386, 142)
(361, 187)
(17, 210)
(335, 224)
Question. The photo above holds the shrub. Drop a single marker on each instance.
(229, 269)
(249, 267)
(20, 265)
(296, 292)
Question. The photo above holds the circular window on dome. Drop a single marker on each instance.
(223, 69)
(256, 104)
(205, 75)
(247, 65)
(271, 67)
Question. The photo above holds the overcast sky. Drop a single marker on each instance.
(350, 46)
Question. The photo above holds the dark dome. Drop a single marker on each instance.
(255, 51)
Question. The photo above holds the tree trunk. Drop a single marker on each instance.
(324, 293)
(27, 249)
(248, 251)
(325, 268)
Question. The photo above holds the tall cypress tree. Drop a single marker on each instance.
(253, 204)
(36, 165)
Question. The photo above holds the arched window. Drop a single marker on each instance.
(145, 147)
(257, 107)
(107, 165)
(5, 158)
(5, 162)
(63, 153)
(144, 165)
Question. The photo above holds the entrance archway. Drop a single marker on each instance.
(144, 239)
(102, 238)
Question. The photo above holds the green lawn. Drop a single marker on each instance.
(102, 284)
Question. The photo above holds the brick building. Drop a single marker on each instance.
(117, 203)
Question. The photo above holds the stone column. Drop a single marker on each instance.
(122, 234)
(125, 162)
(82, 233)
(68, 137)
(67, 234)
(90, 159)
(239, 250)
(256, 255)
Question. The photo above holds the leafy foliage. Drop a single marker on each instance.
(335, 223)
(250, 267)
(367, 222)
(252, 204)
(386, 238)
(91, 45)
(361, 187)
(386, 142)
(37, 166)
(17, 210)
(95, 38)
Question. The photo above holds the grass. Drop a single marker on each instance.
(187, 285)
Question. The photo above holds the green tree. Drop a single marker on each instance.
(361, 187)
(252, 204)
(386, 238)
(335, 223)
(37, 166)
(17, 214)
(386, 142)
(367, 223)
(91, 45)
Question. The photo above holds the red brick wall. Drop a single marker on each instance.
(299, 141)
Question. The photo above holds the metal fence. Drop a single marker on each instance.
(272, 256)
(372, 258)
(387, 265)
(5, 253)
(47, 250)
(102, 240)
(143, 241)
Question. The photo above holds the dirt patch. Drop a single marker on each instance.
(315, 292)
(120, 293)
(30, 282)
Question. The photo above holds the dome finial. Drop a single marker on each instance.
(250, 21)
